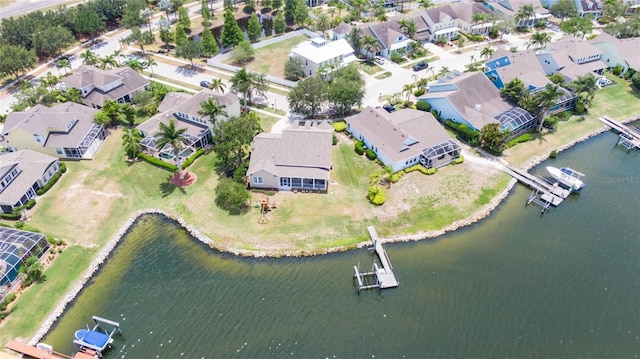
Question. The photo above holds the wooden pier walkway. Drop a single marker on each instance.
(384, 277)
(629, 136)
(550, 193)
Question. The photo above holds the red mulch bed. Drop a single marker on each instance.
(188, 180)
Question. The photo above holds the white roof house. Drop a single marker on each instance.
(319, 52)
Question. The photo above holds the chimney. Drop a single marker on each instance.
(477, 107)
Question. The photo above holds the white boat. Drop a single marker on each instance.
(567, 177)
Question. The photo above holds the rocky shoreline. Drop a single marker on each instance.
(105, 252)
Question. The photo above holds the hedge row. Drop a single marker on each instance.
(192, 158)
(157, 162)
(359, 147)
(52, 181)
(520, 139)
(420, 168)
(464, 132)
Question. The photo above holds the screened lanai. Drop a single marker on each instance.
(517, 121)
(440, 154)
(15, 247)
(191, 144)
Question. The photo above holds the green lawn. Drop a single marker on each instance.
(369, 67)
(270, 59)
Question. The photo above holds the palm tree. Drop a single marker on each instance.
(134, 64)
(217, 85)
(50, 81)
(340, 6)
(247, 82)
(585, 87)
(150, 64)
(355, 38)
(213, 109)
(32, 268)
(117, 54)
(131, 142)
(539, 40)
(486, 52)
(371, 45)
(72, 94)
(64, 64)
(407, 89)
(545, 99)
(323, 23)
(108, 61)
(525, 13)
(170, 135)
(443, 71)
(425, 4)
(89, 58)
(478, 18)
(409, 27)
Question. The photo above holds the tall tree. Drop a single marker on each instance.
(492, 138)
(323, 23)
(409, 27)
(585, 87)
(15, 60)
(307, 97)
(577, 26)
(141, 38)
(300, 12)
(183, 18)
(525, 14)
(346, 89)
(231, 32)
(478, 18)
(146, 14)
(212, 109)
(233, 139)
(87, 21)
(175, 138)
(180, 35)
(131, 142)
(217, 85)
(355, 39)
(51, 41)
(247, 83)
(89, 58)
(189, 50)
(276, 4)
(165, 32)
(167, 6)
(279, 23)
(64, 64)
(254, 29)
(563, 9)
(545, 99)
(513, 90)
(131, 16)
(539, 40)
(371, 45)
(486, 52)
(204, 11)
(209, 43)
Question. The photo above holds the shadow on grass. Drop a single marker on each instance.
(166, 188)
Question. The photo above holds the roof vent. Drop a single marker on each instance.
(477, 107)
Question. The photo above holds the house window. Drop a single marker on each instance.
(296, 182)
(37, 137)
(59, 151)
(285, 182)
(307, 183)
(257, 180)
(320, 184)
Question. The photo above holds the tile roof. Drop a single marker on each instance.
(299, 151)
(31, 164)
(401, 134)
(51, 122)
(474, 97)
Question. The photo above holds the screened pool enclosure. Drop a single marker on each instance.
(440, 154)
(15, 247)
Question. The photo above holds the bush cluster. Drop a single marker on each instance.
(463, 132)
(420, 168)
(475, 38)
(157, 162)
(419, 92)
(520, 139)
(458, 160)
(370, 154)
(339, 126)
(51, 182)
(192, 158)
(5, 303)
(395, 177)
(359, 147)
(17, 211)
(423, 106)
(376, 196)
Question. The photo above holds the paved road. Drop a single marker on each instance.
(20, 7)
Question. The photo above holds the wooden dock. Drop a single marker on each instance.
(629, 136)
(545, 193)
(29, 351)
(379, 277)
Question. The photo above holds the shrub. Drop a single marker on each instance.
(553, 154)
(376, 196)
(418, 167)
(63, 167)
(419, 92)
(635, 81)
(10, 216)
(395, 177)
(231, 196)
(458, 160)
(334, 139)
(464, 132)
(30, 203)
(339, 126)
(436, 114)
(396, 57)
(580, 109)
(430, 171)
(370, 154)
(359, 147)
(494, 32)
(157, 162)
(192, 158)
(49, 184)
(617, 70)
(423, 106)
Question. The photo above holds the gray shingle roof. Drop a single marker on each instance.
(86, 75)
(51, 123)
(32, 166)
(299, 151)
(524, 65)
(391, 132)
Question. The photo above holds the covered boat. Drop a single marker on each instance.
(567, 177)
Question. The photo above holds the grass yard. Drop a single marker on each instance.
(369, 67)
(271, 58)
(619, 102)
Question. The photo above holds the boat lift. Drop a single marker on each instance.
(97, 339)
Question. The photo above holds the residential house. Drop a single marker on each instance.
(404, 138)
(591, 8)
(65, 131)
(339, 32)
(320, 53)
(98, 86)
(623, 52)
(437, 22)
(511, 7)
(571, 57)
(299, 158)
(184, 110)
(22, 173)
(505, 66)
(472, 99)
(390, 36)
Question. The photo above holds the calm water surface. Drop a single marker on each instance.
(515, 285)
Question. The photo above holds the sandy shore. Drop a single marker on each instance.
(105, 252)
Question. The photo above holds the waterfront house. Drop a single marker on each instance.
(472, 99)
(97, 86)
(571, 57)
(622, 52)
(298, 159)
(322, 54)
(22, 173)
(15, 247)
(404, 138)
(66, 131)
(184, 110)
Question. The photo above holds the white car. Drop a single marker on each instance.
(379, 60)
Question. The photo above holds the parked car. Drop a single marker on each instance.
(420, 66)
(389, 108)
(205, 84)
(379, 60)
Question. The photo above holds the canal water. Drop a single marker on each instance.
(515, 285)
